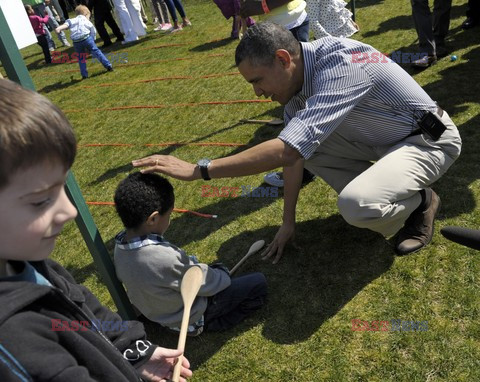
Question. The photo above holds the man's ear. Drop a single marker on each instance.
(152, 219)
(283, 57)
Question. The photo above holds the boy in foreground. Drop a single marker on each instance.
(51, 328)
(152, 269)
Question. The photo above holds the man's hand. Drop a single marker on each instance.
(159, 368)
(168, 165)
(285, 233)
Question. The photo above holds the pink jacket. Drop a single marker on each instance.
(37, 22)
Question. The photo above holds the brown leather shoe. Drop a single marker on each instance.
(418, 229)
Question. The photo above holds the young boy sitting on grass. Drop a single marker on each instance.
(51, 328)
(152, 268)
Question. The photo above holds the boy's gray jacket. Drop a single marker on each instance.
(153, 275)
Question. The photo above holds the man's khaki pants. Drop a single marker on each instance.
(378, 186)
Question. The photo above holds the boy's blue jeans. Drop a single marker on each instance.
(88, 45)
(232, 305)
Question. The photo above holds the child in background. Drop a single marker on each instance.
(38, 27)
(330, 18)
(231, 8)
(53, 23)
(152, 269)
(171, 5)
(82, 33)
(51, 328)
(161, 10)
(129, 15)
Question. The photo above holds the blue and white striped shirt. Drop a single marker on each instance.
(378, 103)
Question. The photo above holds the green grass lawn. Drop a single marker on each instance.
(337, 272)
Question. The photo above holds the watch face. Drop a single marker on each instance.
(204, 162)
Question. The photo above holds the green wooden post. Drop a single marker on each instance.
(97, 248)
(11, 58)
(352, 4)
(16, 70)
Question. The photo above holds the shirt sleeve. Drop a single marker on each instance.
(337, 89)
(91, 27)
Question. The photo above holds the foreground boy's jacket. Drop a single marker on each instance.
(34, 346)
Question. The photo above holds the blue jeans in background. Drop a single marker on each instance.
(88, 45)
(171, 5)
(245, 295)
(301, 32)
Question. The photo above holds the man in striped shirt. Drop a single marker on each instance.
(351, 118)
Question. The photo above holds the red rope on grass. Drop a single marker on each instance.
(162, 46)
(179, 210)
(159, 79)
(172, 105)
(145, 63)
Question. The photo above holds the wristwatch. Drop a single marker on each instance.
(204, 164)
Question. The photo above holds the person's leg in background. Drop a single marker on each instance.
(42, 41)
(441, 24)
(473, 14)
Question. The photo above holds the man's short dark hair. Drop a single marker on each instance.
(262, 40)
(139, 195)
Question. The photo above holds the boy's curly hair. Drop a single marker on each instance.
(139, 195)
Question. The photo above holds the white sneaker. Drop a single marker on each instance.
(66, 43)
(51, 49)
(274, 179)
(166, 27)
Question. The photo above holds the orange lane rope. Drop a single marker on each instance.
(159, 79)
(172, 105)
(162, 46)
(221, 144)
(144, 63)
(179, 210)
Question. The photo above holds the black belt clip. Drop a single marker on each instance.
(431, 124)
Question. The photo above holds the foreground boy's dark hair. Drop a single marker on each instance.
(32, 131)
(139, 195)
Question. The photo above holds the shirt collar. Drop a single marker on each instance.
(308, 56)
(138, 241)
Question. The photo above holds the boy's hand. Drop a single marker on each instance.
(159, 368)
(57, 30)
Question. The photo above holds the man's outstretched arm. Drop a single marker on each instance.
(257, 159)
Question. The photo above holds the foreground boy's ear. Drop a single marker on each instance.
(153, 218)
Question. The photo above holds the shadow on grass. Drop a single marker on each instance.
(405, 22)
(212, 45)
(453, 91)
(363, 3)
(310, 284)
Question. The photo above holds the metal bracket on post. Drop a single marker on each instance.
(14, 65)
